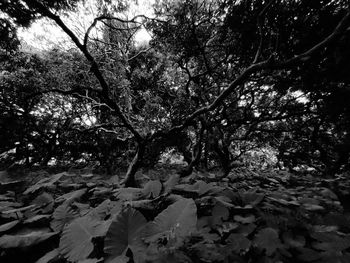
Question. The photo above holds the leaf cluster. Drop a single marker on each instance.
(264, 217)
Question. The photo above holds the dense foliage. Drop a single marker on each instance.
(249, 99)
(265, 217)
(219, 81)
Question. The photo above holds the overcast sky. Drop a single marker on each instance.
(44, 34)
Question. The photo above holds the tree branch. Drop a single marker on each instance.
(94, 68)
(337, 32)
(139, 53)
(106, 17)
(256, 67)
(103, 127)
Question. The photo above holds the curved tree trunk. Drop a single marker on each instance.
(129, 180)
(186, 153)
(197, 152)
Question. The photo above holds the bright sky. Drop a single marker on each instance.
(44, 34)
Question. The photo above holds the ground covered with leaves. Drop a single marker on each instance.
(270, 216)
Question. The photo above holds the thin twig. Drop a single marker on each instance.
(138, 54)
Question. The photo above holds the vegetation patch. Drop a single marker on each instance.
(265, 220)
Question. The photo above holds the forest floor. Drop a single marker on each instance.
(249, 216)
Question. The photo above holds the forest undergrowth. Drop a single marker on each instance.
(249, 216)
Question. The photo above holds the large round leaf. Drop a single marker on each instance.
(124, 232)
(62, 215)
(219, 213)
(179, 218)
(171, 182)
(45, 202)
(76, 241)
(45, 183)
(238, 243)
(128, 194)
(102, 210)
(152, 189)
(72, 196)
(267, 239)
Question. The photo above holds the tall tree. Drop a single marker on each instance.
(227, 62)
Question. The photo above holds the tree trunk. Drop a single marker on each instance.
(197, 150)
(206, 155)
(129, 180)
(185, 153)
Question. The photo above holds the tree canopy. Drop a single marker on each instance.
(219, 82)
(223, 137)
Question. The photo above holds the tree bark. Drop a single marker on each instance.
(197, 151)
(129, 180)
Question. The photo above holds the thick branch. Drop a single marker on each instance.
(256, 67)
(94, 69)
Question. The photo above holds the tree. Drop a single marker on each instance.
(249, 31)
(231, 67)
